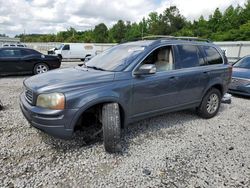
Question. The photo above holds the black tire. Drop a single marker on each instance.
(60, 57)
(111, 123)
(210, 104)
(40, 68)
(1, 105)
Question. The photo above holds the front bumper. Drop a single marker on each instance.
(58, 123)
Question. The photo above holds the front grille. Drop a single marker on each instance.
(29, 95)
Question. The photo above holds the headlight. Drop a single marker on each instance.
(55, 101)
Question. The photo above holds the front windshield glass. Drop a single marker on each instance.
(243, 63)
(60, 47)
(116, 58)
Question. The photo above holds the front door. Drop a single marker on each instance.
(9, 60)
(156, 92)
(66, 52)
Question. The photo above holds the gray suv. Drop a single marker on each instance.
(127, 83)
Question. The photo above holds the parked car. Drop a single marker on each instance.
(15, 60)
(127, 83)
(241, 77)
(15, 45)
(74, 51)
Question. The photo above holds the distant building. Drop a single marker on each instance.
(8, 40)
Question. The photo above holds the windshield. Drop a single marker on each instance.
(60, 47)
(243, 63)
(116, 58)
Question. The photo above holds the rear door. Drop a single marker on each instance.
(218, 70)
(192, 72)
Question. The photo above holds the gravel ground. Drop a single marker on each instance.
(172, 150)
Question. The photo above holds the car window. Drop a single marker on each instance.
(162, 58)
(189, 56)
(25, 52)
(243, 63)
(66, 47)
(116, 58)
(10, 53)
(212, 55)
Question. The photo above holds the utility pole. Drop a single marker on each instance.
(142, 32)
(24, 35)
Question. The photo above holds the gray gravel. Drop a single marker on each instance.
(172, 150)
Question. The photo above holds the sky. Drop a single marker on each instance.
(51, 16)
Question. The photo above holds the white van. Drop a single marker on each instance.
(81, 51)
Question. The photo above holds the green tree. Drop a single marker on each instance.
(117, 32)
(172, 21)
(101, 33)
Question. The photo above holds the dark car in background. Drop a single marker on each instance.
(127, 83)
(241, 77)
(19, 60)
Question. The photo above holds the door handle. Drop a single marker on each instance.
(205, 74)
(173, 78)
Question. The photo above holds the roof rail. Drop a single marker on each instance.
(175, 38)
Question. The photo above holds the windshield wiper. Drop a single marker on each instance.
(96, 68)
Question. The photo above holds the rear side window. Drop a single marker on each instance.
(25, 52)
(212, 55)
(29, 52)
(189, 56)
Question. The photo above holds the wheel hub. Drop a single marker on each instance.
(212, 103)
(41, 69)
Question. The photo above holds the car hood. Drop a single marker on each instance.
(241, 73)
(63, 80)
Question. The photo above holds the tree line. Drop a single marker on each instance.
(231, 25)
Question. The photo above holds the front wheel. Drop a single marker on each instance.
(210, 104)
(40, 68)
(111, 124)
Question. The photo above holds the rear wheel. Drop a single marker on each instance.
(210, 104)
(40, 68)
(111, 124)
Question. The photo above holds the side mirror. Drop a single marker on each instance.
(146, 69)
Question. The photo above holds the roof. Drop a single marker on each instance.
(170, 41)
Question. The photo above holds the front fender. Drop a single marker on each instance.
(88, 103)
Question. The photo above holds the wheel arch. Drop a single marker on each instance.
(100, 103)
(218, 84)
